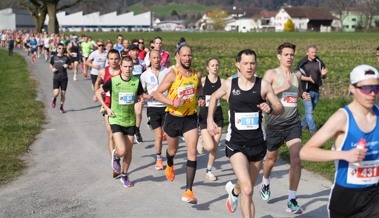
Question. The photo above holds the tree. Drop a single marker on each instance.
(371, 8)
(38, 9)
(341, 7)
(218, 18)
(289, 26)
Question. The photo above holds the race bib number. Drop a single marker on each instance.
(208, 99)
(74, 55)
(246, 121)
(289, 99)
(137, 69)
(186, 92)
(363, 173)
(108, 94)
(125, 98)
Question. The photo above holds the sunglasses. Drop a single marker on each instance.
(100, 45)
(367, 89)
(60, 47)
(140, 42)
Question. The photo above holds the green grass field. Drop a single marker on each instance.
(21, 116)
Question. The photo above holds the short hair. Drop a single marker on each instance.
(60, 44)
(113, 51)
(180, 48)
(135, 41)
(127, 59)
(158, 37)
(120, 35)
(100, 40)
(311, 46)
(245, 52)
(377, 48)
(286, 45)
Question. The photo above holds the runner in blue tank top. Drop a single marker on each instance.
(355, 127)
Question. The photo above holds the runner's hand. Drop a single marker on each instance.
(212, 128)
(110, 112)
(201, 102)
(94, 98)
(178, 102)
(355, 155)
(265, 107)
(306, 96)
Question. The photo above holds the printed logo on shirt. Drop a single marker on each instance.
(236, 92)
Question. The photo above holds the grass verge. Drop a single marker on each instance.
(21, 115)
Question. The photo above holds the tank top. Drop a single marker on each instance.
(118, 47)
(365, 173)
(185, 87)
(208, 90)
(74, 50)
(289, 99)
(245, 119)
(107, 76)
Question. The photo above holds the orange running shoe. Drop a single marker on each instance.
(170, 174)
(85, 74)
(189, 197)
(159, 165)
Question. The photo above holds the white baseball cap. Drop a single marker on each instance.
(363, 72)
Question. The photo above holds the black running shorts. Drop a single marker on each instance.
(129, 130)
(60, 83)
(176, 126)
(253, 153)
(156, 116)
(276, 138)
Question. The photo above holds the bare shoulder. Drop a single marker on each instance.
(269, 75)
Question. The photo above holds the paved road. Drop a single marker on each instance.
(69, 172)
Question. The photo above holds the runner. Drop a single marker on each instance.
(245, 143)
(165, 56)
(138, 69)
(125, 51)
(183, 86)
(142, 50)
(210, 84)
(86, 51)
(119, 45)
(96, 61)
(46, 46)
(105, 74)
(73, 53)
(10, 45)
(125, 90)
(354, 128)
(156, 113)
(58, 65)
(286, 127)
(33, 48)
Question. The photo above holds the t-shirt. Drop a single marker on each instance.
(150, 82)
(123, 97)
(58, 62)
(98, 59)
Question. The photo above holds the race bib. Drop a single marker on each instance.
(108, 94)
(246, 121)
(74, 55)
(363, 173)
(137, 69)
(186, 92)
(208, 99)
(101, 66)
(289, 99)
(125, 98)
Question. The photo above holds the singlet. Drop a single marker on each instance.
(185, 87)
(150, 82)
(124, 53)
(139, 68)
(98, 59)
(245, 118)
(365, 173)
(118, 47)
(107, 76)
(289, 99)
(123, 97)
(74, 50)
(208, 90)
(86, 48)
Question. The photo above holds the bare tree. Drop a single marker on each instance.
(371, 9)
(341, 7)
(37, 9)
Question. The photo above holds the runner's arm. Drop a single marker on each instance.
(267, 92)
(164, 86)
(224, 90)
(269, 77)
(333, 128)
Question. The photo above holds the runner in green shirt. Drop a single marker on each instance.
(86, 50)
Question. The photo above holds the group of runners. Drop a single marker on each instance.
(126, 76)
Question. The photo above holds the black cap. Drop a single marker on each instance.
(133, 46)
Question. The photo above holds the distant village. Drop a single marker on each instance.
(234, 20)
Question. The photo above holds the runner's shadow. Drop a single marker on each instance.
(82, 109)
(205, 206)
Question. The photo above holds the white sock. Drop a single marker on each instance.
(291, 194)
(159, 157)
(265, 181)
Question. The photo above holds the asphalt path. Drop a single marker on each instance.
(68, 171)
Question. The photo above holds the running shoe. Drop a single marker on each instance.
(116, 166)
(210, 176)
(53, 104)
(232, 201)
(81, 67)
(265, 192)
(85, 74)
(200, 147)
(138, 138)
(189, 197)
(126, 182)
(75, 78)
(159, 165)
(170, 174)
(293, 207)
(61, 110)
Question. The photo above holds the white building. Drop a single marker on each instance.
(104, 22)
(13, 18)
(170, 25)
